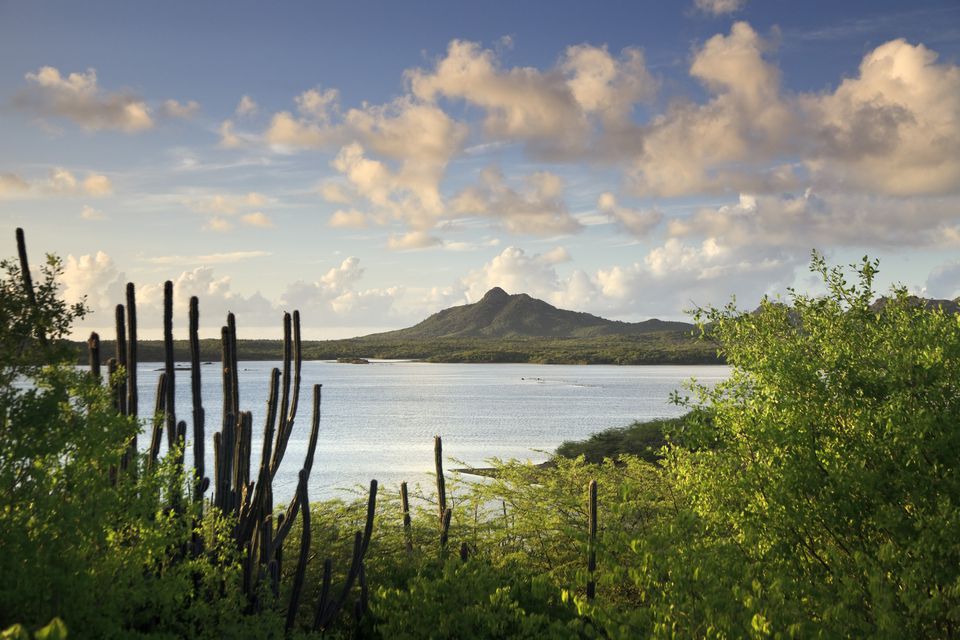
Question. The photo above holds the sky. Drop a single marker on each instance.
(370, 163)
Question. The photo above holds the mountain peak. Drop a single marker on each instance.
(494, 295)
(501, 315)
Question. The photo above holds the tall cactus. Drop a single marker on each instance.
(170, 410)
(405, 510)
(441, 482)
(27, 281)
(592, 541)
(121, 355)
(93, 348)
(133, 398)
(195, 388)
(133, 401)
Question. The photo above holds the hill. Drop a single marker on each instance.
(501, 315)
(498, 328)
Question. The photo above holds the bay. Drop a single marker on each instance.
(378, 420)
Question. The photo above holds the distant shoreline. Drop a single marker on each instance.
(668, 348)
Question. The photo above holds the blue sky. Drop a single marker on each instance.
(371, 163)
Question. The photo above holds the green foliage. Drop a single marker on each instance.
(815, 493)
(55, 630)
(476, 600)
(645, 440)
(823, 497)
(659, 347)
(79, 538)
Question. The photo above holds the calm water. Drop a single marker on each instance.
(378, 420)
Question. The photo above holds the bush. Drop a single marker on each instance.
(823, 498)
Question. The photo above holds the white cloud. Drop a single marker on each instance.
(218, 224)
(895, 128)
(537, 208)
(810, 220)
(228, 137)
(89, 213)
(212, 258)
(246, 107)
(318, 104)
(78, 97)
(551, 109)
(94, 278)
(637, 223)
(12, 185)
(176, 109)
(348, 219)
(257, 219)
(719, 7)
(728, 142)
(412, 240)
(227, 203)
(944, 281)
(59, 182)
(335, 192)
(334, 298)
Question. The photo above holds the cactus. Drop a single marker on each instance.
(158, 417)
(445, 528)
(121, 348)
(195, 388)
(592, 544)
(133, 400)
(327, 608)
(304, 550)
(405, 509)
(93, 348)
(441, 483)
(27, 281)
(171, 399)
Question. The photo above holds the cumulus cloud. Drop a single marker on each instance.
(334, 297)
(228, 137)
(832, 219)
(536, 208)
(515, 271)
(227, 203)
(551, 109)
(59, 182)
(729, 141)
(719, 7)
(78, 97)
(348, 219)
(257, 219)
(246, 107)
(94, 279)
(669, 279)
(895, 128)
(335, 192)
(175, 109)
(638, 223)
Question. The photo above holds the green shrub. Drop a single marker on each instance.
(823, 498)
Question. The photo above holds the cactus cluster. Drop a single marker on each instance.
(247, 501)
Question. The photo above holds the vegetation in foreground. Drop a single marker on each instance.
(820, 498)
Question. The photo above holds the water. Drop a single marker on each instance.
(378, 420)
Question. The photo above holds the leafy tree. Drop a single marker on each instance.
(823, 497)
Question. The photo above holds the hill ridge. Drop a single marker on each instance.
(499, 314)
